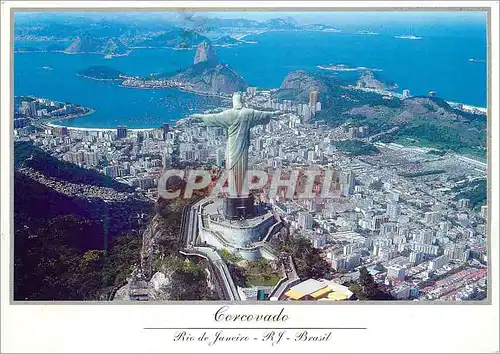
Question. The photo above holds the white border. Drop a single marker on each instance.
(97, 328)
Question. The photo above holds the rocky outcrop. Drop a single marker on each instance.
(287, 23)
(87, 44)
(157, 232)
(84, 44)
(205, 53)
(140, 289)
(303, 81)
(114, 46)
(227, 41)
(212, 78)
(207, 75)
(158, 287)
(369, 80)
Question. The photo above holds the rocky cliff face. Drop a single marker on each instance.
(205, 53)
(164, 274)
(137, 288)
(158, 232)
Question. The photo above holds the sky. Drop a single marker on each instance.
(367, 17)
(334, 18)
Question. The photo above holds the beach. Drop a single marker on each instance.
(52, 125)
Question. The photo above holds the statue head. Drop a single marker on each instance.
(237, 104)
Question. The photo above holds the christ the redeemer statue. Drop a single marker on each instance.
(237, 121)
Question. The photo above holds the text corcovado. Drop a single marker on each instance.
(223, 315)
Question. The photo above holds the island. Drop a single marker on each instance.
(407, 36)
(343, 67)
(228, 41)
(319, 28)
(367, 32)
(473, 60)
(102, 73)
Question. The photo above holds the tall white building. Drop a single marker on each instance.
(416, 258)
(457, 252)
(393, 210)
(396, 272)
(318, 241)
(401, 292)
(463, 203)
(484, 211)
(432, 217)
(438, 262)
(425, 236)
(349, 249)
(305, 220)
(425, 248)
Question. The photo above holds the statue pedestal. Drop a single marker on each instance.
(236, 208)
(246, 237)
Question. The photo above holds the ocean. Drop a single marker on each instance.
(439, 62)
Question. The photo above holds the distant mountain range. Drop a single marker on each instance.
(92, 36)
(173, 38)
(287, 23)
(87, 44)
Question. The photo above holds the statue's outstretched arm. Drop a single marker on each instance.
(223, 119)
(263, 117)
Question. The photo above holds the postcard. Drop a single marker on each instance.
(241, 177)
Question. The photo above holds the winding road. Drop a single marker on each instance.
(189, 237)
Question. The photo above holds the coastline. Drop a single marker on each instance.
(52, 125)
(96, 79)
(345, 68)
(200, 93)
(106, 56)
(466, 107)
(71, 116)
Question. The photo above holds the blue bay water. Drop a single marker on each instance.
(439, 62)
